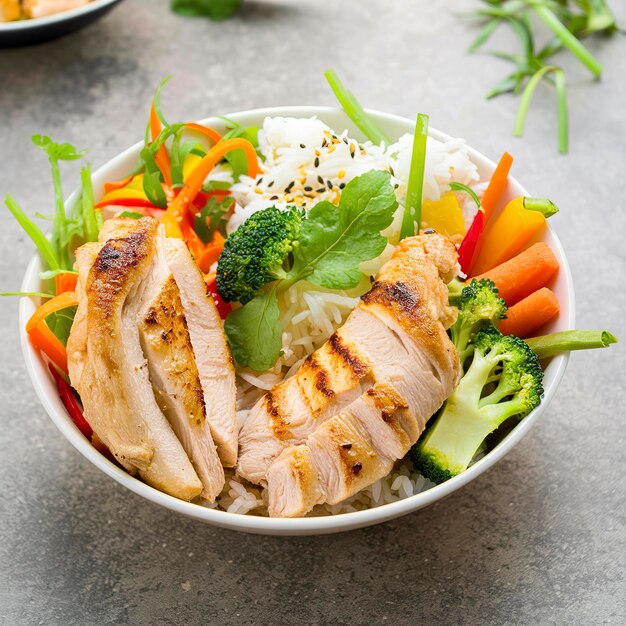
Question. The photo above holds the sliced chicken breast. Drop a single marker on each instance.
(396, 334)
(208, 341)
(344, 455)
(107, 365)
(173, 372)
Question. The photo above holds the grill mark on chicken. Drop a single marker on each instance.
(358, 368)
(388, 294)
(320, 375)
(277, 421)
(112, 265)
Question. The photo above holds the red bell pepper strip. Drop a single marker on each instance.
(134, 202)
(468, 250)
(223, 307)
(70, 402)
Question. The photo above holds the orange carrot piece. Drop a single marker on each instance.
(65, 282)
(530, 314)
(520, 276)
(118, 184)
(209, 256)
(213, 135)
(62, 301)
(44, 340)
(161, 157)
(497, 185)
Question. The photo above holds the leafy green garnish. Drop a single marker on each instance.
(213, 9)
(254, 332)
(355, 111)
(212, 218)
(131, 214)
(461, 187)
(50, 274)
(569, 22)
(152, 180)
(333, 241)
(34, 294)
(237, 158)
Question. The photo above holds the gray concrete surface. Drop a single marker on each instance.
(537, 540)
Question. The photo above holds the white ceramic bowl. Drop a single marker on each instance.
(395, 126)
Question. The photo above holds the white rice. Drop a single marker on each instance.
(306, 162)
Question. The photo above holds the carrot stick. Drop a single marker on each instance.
(497, 185)
(161, 157)
(65, 282)
(176, 210)
(520, 276)
(530, 314)
(209, 256)
(213, 135)
(44, 340)
(118, 184)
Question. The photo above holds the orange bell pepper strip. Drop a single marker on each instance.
(42, 338)
(176, 210)
(213, 135)
(508, 233)
(65, 282)
(161, 157)
(211, 253)
(113, 186)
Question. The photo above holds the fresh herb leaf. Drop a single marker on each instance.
(212, 218)
(60, 323)
(254, 332)
(461, 187)
(213, 9)
(334, 240)
(131, 214)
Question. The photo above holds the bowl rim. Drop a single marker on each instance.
(296, 526)
(55, 18)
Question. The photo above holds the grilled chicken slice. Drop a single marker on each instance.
(213, 358)
(107, 365)
(41, 8)
(173, 372)
(396, 335)
(345, 454)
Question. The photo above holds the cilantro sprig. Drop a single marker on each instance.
(333, 241)
(569, 21)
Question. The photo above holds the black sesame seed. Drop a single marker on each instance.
(316, 162)
(342, 185)
(321, 180)
(396, 186)
(258, 182)
(270, 183)
(324, 143)
(320, 190)
(302, 146)
(329, 184)
(429, 231)
(346, 446)
(274, 198)
(391, 171)
(289, 186)
(307, 188)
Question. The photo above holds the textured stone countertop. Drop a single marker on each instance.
(539, 539)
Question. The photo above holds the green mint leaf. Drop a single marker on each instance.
(254, 332)
(334, 240)
(213, 9)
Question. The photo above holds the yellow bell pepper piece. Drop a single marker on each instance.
(508, 233)
(444, 216)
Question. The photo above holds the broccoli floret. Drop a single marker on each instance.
(479, 306)
(256, 253)
(502, 381)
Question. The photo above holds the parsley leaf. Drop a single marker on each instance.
(254, 332)
(213, 9)
(334, 240)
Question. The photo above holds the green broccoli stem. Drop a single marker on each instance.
(566, 340)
